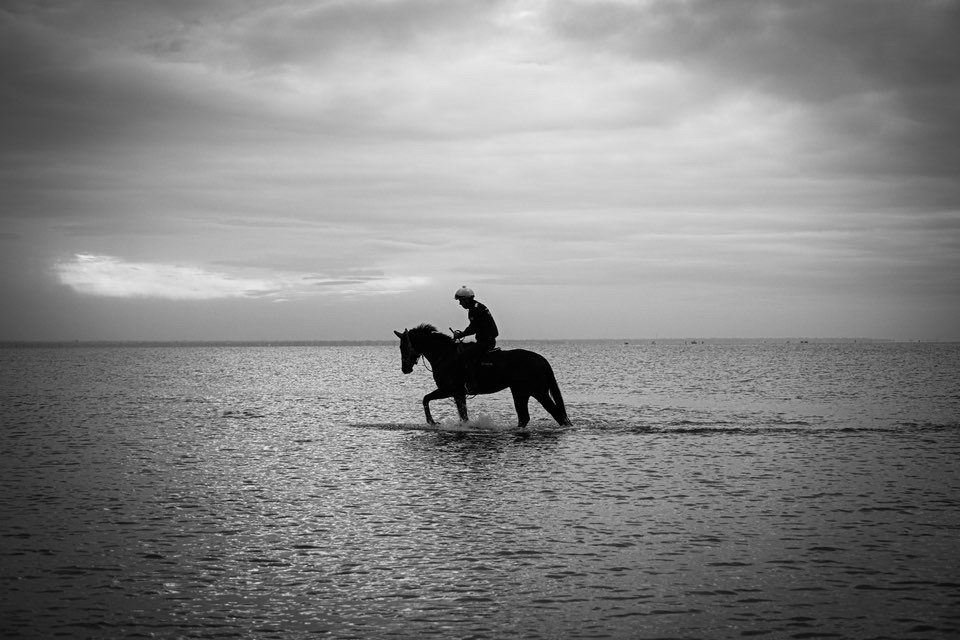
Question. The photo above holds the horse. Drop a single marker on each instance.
(526, 374)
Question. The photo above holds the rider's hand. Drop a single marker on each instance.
(457, 335)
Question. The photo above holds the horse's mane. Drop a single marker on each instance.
(428, 332)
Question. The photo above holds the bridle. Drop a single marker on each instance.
(416, 357)
(413, 355)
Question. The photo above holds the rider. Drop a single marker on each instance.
(481, 324)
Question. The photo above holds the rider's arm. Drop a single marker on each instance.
(469, 331)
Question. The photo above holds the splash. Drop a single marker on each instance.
(482, 423)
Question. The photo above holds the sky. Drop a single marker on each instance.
(337, 169)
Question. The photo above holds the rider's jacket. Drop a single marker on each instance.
(481, 323)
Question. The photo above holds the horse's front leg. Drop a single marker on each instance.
(436, 394)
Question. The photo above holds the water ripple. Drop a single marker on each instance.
(239, 492)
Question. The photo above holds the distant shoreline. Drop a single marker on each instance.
(365, 343)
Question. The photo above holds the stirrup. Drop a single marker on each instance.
(471, 387)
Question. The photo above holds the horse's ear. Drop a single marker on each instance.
(399, 335)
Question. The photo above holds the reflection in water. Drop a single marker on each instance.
(288, 492)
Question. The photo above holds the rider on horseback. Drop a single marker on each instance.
(481, 324)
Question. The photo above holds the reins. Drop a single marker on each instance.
(424, 359)
(426, 363)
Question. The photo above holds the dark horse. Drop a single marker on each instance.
(525, 372)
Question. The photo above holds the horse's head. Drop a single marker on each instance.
(408, 354)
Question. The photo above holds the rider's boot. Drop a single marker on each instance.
(470, 380)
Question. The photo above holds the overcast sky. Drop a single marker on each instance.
(234, 169)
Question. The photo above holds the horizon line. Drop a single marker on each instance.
(384, 341)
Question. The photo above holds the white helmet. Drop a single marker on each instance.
(463, 292)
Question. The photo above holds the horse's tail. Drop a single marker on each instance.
(557, 398)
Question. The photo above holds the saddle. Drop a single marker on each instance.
(474, 370)
(483, 356)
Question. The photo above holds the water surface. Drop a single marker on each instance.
(703, 491)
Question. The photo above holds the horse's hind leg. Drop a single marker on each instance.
(520, 400)
(544, 398)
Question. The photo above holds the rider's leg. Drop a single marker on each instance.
(467, 359)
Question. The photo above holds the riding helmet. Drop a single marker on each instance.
(463, 292)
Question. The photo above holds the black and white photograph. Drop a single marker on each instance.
(480, 319)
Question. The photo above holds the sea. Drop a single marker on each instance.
(705, 489)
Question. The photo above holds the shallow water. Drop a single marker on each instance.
(703, 491)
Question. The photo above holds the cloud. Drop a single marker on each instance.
(107, 276)
(876, 76)
(111, 277)
(298, 150)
